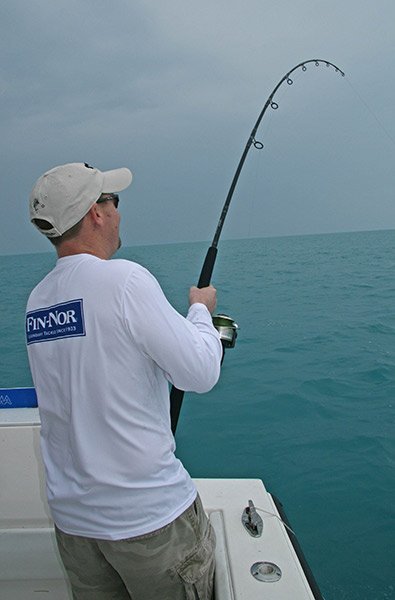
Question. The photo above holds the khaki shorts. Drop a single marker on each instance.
(175, 562)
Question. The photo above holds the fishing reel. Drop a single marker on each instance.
(227, 329)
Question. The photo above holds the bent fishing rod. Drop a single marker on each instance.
(176, 395)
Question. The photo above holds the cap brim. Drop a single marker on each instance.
(116, 180)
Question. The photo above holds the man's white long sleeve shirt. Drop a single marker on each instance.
(103, 345)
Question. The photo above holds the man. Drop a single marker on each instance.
(103, 345)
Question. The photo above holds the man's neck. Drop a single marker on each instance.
(70, 248)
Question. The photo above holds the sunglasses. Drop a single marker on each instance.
(106, 197)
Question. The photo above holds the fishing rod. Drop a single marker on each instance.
(176, 395)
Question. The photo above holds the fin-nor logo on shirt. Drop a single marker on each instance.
(62, 320)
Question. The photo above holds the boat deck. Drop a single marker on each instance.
(30, 567)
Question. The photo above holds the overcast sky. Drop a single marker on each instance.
(172, 89)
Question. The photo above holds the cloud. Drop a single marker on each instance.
(172, 90)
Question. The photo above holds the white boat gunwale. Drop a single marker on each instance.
(28, 553)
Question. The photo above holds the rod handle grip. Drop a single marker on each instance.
(208, 267)
(176, 398)
(176, 395)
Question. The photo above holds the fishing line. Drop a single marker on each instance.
(253, 196)
(176, 395)
(370, 110)
(271, 514)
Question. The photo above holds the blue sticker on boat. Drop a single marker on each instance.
(56, 322)
(18, 398)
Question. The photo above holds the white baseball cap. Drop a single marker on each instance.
(64, 195)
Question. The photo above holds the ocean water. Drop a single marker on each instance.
(306, 398)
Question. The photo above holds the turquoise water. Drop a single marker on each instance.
(306, 399)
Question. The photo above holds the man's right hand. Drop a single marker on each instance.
(206, 295)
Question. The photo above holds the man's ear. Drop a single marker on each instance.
(95, 214)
